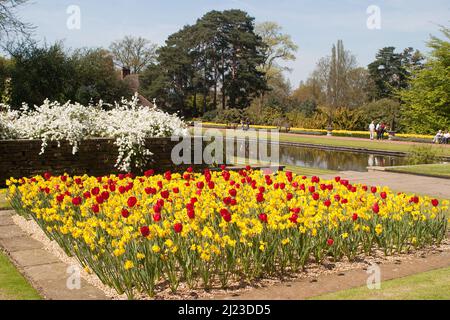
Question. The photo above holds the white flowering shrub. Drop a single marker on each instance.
(128, 123)
(7, 123)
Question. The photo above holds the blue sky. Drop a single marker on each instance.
(313, 25)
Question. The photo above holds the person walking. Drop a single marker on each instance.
(372, 130)
(383, 130)
(378, 130)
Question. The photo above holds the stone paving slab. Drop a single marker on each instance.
(42, 268)
(33, 257)
(48, 277)
(12, 231)
(19, 244)
(6, 220)
(5, 213)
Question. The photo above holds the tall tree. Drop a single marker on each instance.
(49, 71)
(10, 24)
(278, 47)
(391, 71)
(427, 99)
(216, 57)
(133, 53)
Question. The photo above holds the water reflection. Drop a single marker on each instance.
(335, 160)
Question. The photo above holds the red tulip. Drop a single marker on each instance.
(294, 218)
(289, 196)
(263, 217)
(76, 201)
(355, 217)
(122, 189)
(149, 173)
(227, 217)
(132, 202)
(105, 195)
(178, 227)
(327, 203)
(95, 208)
(191, 213)
(145, 231)
(330, 242)
(296, 210)
(376, 208)
(125, 213)
(383, 195)
(232, 192)
(200, 185)
(316, 196)
(157, 217)
(435, 202)
(60, 197)
(373, 189)
(260, 197)
(165, 194)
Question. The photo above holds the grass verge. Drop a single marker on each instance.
(436, 170)
(4, 205)
(432, 285)
(13, 286)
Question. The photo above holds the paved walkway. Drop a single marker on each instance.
(436, 187)
(43, 269)
(313, 287)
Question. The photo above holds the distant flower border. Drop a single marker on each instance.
(345, 133)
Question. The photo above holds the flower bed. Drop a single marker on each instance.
(136, 232)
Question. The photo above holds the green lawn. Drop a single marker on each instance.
(433, 285)
(355, 143)
(13, 285)
(440, 170)
(3, 203)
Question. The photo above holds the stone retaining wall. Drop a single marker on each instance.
(20, 158)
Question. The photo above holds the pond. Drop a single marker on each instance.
(335, 160)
